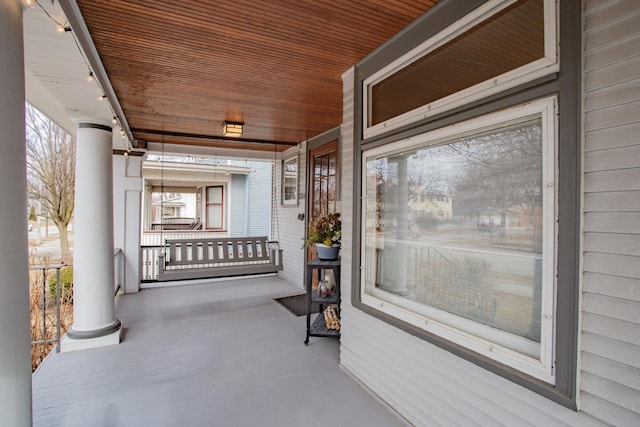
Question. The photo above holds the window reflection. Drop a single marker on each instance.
(457, 228)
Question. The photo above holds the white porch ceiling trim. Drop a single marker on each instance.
(40, 97)
(56, 72)
(222, 153)
(81, 32)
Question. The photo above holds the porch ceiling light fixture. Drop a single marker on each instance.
(232, 128)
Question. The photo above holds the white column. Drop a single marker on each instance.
(127, 190)
(94, 320)
(15, 341)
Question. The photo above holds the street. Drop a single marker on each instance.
(49, 247)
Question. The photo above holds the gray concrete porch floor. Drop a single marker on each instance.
(213, 354)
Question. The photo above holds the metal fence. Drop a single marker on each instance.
(438, 278)
(45, 314)
(46, 298)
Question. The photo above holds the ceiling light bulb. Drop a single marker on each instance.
(90, 77)
(29, 3)
(101, 97)
(114, 120)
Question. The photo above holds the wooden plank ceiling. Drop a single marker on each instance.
(180, 69)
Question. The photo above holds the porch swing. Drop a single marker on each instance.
(204, 258)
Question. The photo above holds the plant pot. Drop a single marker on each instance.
(327, 253)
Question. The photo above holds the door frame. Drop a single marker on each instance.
(314, 144)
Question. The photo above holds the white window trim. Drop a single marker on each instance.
(542, 368)
(223, 203)
(539, 68)
(290, 202)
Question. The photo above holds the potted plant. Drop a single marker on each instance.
(325, 233)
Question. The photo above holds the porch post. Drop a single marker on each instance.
(94, 321)
(15, 342)
(127, 189)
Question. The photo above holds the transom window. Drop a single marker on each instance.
(498, 46)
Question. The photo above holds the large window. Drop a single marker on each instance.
(467, 192)
(458, 234)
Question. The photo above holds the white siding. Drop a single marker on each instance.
(291, 230)
(238, 200)
(610, 356)
(259, 206)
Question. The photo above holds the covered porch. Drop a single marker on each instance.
(327, 88)
(211, 353)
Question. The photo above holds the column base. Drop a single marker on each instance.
(68, 344)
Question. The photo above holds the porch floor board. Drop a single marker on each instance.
(215, 354)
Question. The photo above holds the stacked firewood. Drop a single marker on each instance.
(331, 318)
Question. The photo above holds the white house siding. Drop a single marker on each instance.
(291, 229)
(610, 357)
(238, 201)
(259, 206)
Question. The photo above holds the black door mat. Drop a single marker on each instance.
(297, 304)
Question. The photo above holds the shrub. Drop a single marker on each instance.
(66, 284)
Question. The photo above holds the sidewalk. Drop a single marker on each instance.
(49, 246)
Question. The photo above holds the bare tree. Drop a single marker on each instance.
(51, 164)
(502, 170)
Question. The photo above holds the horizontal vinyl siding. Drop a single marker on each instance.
(291, 228)
(610, 352)
(425, 384)
(238, 205)
(259, 208)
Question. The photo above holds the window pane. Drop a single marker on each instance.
(331, 187)
(290, 192)
(290, 181)
(317, 209)
(214, 194)
(510, 39)
(454, 232)
(332, 163)
(324, 159)
(214, 216)
(324, 185)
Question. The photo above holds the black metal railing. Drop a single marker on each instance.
(45, 313)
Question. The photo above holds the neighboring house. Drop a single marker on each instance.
(223, 196)
(427, 207)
